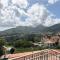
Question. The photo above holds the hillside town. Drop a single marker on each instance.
(51, 40)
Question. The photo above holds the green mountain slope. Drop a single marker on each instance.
(29, 30)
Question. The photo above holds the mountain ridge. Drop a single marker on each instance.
(28, 30)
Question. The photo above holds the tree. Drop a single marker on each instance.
(1, 51)
(22, 43)
(30, 37)
(2, 42)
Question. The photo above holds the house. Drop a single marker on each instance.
(51, 40)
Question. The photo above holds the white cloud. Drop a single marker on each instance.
(51, 21)
(52, 1)
(20, 3)
(4, 3)
(10, 16)
(37, 14)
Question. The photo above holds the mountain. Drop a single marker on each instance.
(29, 30)
(23, 29)
(55, 28)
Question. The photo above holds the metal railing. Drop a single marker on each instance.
(42, 55)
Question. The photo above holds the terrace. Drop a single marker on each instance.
(36, 55)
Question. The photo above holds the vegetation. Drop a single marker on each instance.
(1, 51)
(23, 43)
(2, 42)
(28, 49)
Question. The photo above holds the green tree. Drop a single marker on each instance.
(22, 43)
(1, 51)
(2, 42)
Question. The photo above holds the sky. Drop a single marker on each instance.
(15, 13)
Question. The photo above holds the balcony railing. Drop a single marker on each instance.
(42, 55)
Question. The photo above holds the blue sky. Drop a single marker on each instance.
(54, 8)
(28, 13)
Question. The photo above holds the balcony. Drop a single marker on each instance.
(36, 55)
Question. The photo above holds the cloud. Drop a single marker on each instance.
(10, 15)
(13, 13)
(50, 21)
(20, 3)
(4, 3)
(52, 1)
(37, 14)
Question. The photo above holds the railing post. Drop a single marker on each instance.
(24, 58)
(56, 56)
(44, 57)
(51, 56)
(59, 57)
(47, 57)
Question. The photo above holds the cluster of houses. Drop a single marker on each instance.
(51, 40)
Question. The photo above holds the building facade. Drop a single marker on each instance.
(51, 40)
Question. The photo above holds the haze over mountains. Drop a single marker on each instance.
(27, 30)
(29, 16)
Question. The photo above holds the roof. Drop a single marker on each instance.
(48, 42)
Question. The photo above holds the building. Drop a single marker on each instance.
(51, 40)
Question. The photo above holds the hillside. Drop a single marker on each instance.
(55, 28)
(23, 29)
(29, 30)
